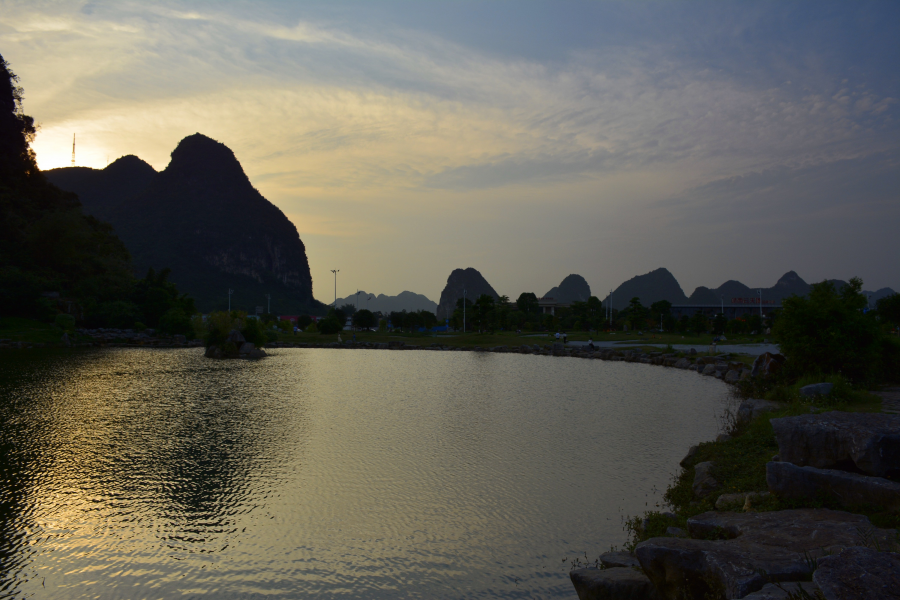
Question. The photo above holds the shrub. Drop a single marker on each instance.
(176, 321)
(827, 332)
(271, 336)
(303, 322)
(254, 332)
(329, 326)
(65, 322)
(312, 328)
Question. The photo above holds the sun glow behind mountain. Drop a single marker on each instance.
(531, 140)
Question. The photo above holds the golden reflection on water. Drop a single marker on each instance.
(151, 474)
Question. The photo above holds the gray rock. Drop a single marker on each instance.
(726, 501)
(761, 547)
(687, 457)
(619, 559)
(65, 340)
(780, 591)
(767, 364)
(704, 483)
(708, 370)
(753, 407)
(732, 377)
(618, 583)
(257, 353)
(791, 482)
(246, 348)
(816, 389)
(868, 442)
(859, 573)
(755, 498)
(682, 363)
(179, 339)
(213, 352)
(676, 532)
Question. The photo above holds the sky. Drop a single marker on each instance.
(529, 140)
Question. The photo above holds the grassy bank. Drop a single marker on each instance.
(30, 331)
(740, 461)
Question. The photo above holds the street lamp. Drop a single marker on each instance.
(335, 271)
(268, 304)
(230, 292)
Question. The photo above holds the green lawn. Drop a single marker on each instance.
(28, 330)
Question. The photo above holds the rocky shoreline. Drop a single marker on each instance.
(846, 459)
(106, 337)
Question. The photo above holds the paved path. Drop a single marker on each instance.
(752, 349)
(890, 400)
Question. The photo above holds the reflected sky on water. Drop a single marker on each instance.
(134, 473)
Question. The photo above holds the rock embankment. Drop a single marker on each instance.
(103, 337)
(848, 458)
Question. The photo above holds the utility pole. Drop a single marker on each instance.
(335, 271)
(759, 293)
(464, 310)
(230, 292)
(73, 149)
(269, 305)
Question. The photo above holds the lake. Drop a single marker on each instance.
(147, 473)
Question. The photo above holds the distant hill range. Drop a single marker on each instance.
(202, 218)
(469, 280)
(407, 301)
(661, 285)
(573, 288)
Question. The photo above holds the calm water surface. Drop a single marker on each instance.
(137, 473)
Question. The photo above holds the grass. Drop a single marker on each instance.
(30, 331)
(740, 462)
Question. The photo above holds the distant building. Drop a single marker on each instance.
(548, 305)
(732, 311)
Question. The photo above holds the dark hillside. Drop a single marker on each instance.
(201, 217)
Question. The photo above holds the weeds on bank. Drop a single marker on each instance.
(740, 462)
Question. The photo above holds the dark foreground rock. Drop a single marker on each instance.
(790, 482)
(865, 442)
(759, 548)
(618, 583)
(859, 573)
(619, 559)
(753, 407)
(781, 591)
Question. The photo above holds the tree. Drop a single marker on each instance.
(661, 311)
(484, 305)
(330, 325)
(528, 303)
(363, 319)
(595, 313)
(828, 332)
(303, 322)
(637, 314)
(698, 323)
(348, 310)
(889, 309)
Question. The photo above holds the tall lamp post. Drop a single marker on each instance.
(268, 304)
(230, 292)
(335, 271)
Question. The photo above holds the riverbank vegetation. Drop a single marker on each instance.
(827, 336)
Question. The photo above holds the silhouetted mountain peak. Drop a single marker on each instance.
(201, 156)
(130, 165)
(573, 288)
(790, 279)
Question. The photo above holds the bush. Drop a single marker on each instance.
(176, 322)
(827, 332)
(271, 336)
(312, 328)
(65, 322)
(254, 332)
(329, 326)
(303, 322)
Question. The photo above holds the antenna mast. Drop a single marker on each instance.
(73, 149)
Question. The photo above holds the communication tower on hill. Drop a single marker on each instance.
(73, 149)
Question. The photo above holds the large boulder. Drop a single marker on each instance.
(783, 591)
(682, 363)
(619, 559)
(732, 376)
(709, 369)
(791, 482)
(246, 348)
(617, 583)
(816, 389)
(753, 407)
(235, 337)
(859, 573)
(704, 483)
(760, 548)
(866, 442)
(767, 364)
